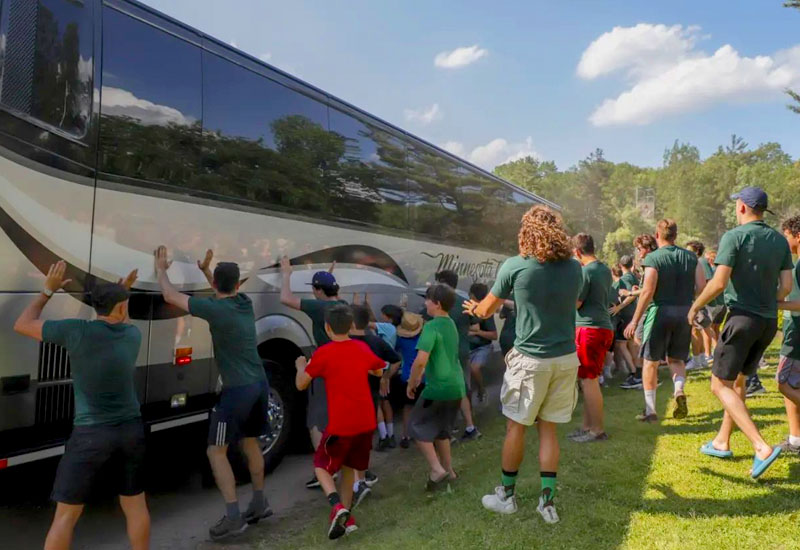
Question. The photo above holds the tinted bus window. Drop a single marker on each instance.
(47, 61)
(262, 141)
(433, 205)
(369, 180)
(151, 106)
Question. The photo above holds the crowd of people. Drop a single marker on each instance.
(569, 323)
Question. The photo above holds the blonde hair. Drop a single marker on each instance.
(542, 236)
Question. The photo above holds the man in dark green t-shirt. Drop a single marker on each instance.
(671, 280)
(754, 269)
(107, 425)
(242, 412)
(788, 375)
(482, 333)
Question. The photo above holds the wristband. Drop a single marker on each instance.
(47, 292)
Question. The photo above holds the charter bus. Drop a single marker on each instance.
(122, 129)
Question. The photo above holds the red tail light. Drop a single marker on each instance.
(183, 356)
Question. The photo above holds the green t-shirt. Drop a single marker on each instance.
(463, 321)
(791, 321)
(233, 333)
(597, 282)
(676, 268)
(316, 309)
(628, 281)
(444, 379)
(545, 295)
(486, 325)
(708, 271)
(613, 293)
(756, 254)
(509, 331)
(102, 358)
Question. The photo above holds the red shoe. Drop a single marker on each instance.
(350, 526)
(339, 517)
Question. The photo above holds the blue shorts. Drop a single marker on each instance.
(242, 411)
(480, 356)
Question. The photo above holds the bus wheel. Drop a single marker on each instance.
(281, 407)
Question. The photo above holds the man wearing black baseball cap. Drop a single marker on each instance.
(754, 269)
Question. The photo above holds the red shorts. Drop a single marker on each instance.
(335, 451)
(592, 344)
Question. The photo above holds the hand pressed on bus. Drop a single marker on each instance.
(128, 281)
(55, 277)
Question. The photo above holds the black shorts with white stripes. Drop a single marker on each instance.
(242, 411)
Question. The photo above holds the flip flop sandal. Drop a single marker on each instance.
(760, 466)
(434, 485)
(708, 449)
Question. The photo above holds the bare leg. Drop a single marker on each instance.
(346, 490)
(622, 356)
(466, 410)
(223, 474)
(326, 481)
(722, 441)
(708, 339)
(791, 398)
(678, 368)
(697, 342)
(477, 377)
(633, 347)
(137, 519)
(549, 451)
(388, 413)
(255, 462)
(736, 409)
(429, 452)
(513, 446)
(60, 535)
(442, 447)
(650, 375)
(592, 402)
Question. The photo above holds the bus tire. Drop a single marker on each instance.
(282, 407)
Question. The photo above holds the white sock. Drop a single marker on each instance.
(382, 430)
(650, 401)
(390, 429)
(679, 382)
(355, 486)
(794, 440)
(470, 428)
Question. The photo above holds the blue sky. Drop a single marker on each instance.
(557, 78)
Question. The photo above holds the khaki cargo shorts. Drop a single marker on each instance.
(539, 388)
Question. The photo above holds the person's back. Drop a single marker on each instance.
(597, 283)
(444, 377)
(676, 268)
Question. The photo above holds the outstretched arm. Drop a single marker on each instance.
(287, 297)
(28, 323)
(485, 308)
(205, 266)
(417, 370)
(301, 379)
(170, 293)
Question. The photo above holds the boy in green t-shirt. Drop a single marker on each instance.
(435, 413)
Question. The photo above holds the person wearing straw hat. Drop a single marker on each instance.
(407, 337)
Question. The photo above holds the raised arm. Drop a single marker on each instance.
(171, 295)
(485, 308)
(28, 323)
(205, 266)
(287, 297)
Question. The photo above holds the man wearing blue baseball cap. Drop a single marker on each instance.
(754, 269)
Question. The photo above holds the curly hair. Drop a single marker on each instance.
(542, 236)
(792, 225)
(645, 240)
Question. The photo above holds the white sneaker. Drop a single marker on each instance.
(547, 510)
(498, 502)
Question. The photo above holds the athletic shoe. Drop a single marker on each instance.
(693, 364)
(576, 433)
(649, 418)
(339, 517)
(392, 442)
(481, 397)
(755, 389)
(631, 383)
(499, 502)
(370, 479)
(361, 493)
(383, 445)
(227, 527)
(312, 483)
(256, 513)
(350, 526)
(471, 435)
(589, 437)
(547, 508)
(681, 408)
(787, 447)
(433, 486)
(405, 443)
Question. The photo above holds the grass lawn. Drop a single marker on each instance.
(647, 487)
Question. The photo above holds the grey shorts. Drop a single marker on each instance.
(317, 412)
(702, 319)
(717, 314)
(480, 356)
(789, 372)
(431, 420)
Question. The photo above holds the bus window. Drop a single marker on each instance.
(47, 62)
(433, 200)
(151, 105)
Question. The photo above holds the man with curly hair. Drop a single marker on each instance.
(539, 382)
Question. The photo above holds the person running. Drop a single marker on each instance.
(325, 291)
(242, 411)
(672, 276)
(463, 322)
(644, 244)
(434, 414)
(622, 357)
(407, 337)
(754, 269)
(788, 375)
(541, 370)
(346, 443)
(702, 333)
(107, 427)
(482, 333)
(593, 337)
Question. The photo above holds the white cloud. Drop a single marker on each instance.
(265, 57)
(667, 75)
(460, 57)
(497, 151)
(118, 102)
(424, 116)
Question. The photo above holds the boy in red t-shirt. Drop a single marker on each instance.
(347, 441)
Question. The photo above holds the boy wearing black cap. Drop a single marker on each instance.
(243, 407)
(754, 269)
(107, 421)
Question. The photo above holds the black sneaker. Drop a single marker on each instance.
(312, 483)
(470, 435)
(256, 513)
(392, 442)
(631, 383)
(361, 493)
(370, 479)
(226, 528)
(405, 443)
(383, 445)
(755, 389)
(681, 408)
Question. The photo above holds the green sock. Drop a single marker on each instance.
(549, 484)
(509, 482)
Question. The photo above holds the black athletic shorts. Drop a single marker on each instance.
(741, 344)
(666, 333)
(317, 411)
(431, 420)
(116, 449)
(620, 325)
(242, 411)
